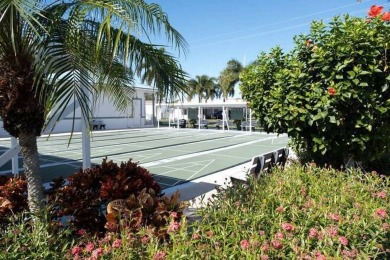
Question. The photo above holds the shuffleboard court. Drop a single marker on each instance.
(173, 156)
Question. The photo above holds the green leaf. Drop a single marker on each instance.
(316, 117)
(351, 74)
(363, 84)
(332, 119)
(385, 87)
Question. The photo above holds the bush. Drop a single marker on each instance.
(13, 197)
(28, 238)
(299, 213)
(330, 93)
(83, 200)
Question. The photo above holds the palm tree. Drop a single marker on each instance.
(229, 78)
(55, 53)
(202, 86)
(152, 75)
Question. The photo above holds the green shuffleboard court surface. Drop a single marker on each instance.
(173, 156)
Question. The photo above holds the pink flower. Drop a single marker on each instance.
(264, 257)
(313, 232)
(174, 215)
(332, 231)
(386, 16)
(335, 217)
(277, 244)
(343, 241)
(81, 232)
(385, 226)
(381, 213)
(288, 227)
(350, 254)
(375, 10)
(308, 204)
(117, 243)
(279, 235)
(89, 247)
(195, 236)
(145, 240)
(245, 244)
(160, 255)
(381, 195)
(76, 250)
(175, 226)
(319, 256)
(97, 252)
(262, 233)
(280, 209)
(264, 247)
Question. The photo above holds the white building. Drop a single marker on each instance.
(140, 114)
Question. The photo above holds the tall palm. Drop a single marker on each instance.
(199, 86)
(55, 53)
(211, 90)
(229, 78)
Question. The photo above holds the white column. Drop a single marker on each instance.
(223, 118)
(177, 110)
(15, 159)
(250, 119)
(85, 138)
(199, 117)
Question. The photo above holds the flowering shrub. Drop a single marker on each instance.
(331, 92)
(303, 212)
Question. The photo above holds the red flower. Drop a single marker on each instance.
(375, 10)
(386, 16)
(331, 91)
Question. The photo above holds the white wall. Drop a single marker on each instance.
(133, 117)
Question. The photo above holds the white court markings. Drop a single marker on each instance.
(177, 167)
(178, 156)
(193, 168)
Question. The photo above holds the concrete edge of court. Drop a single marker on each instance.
(200, 191)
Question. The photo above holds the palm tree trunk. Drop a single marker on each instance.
(29, 151)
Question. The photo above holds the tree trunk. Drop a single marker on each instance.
(29, 151)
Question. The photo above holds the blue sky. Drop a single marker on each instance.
(219, 30)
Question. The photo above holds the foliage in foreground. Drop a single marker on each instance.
(302, 212)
